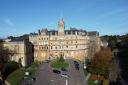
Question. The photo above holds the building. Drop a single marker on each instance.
(23, 51)
(72, 43)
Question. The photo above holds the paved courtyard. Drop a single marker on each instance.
(45, 76)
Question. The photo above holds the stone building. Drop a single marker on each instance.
(23, 51)
(72, 43)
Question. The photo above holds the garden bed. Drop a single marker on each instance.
(59, 65)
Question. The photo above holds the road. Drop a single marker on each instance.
(45, 76)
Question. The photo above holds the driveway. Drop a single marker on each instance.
(45, 76)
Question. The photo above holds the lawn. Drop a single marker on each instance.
(85, 72)
(59, 65)
(92, 82)
(16, 77)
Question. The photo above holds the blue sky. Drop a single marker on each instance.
(24, 16)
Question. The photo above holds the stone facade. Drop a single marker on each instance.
(72, 43)
(23, 51)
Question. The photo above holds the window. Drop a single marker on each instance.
(67, 46)
(56, 47)
(40, 48)
(76, 46)
(76, 41)
(51, 47)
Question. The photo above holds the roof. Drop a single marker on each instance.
(93, 33)
(16, 42)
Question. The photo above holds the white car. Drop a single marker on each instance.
(64, 75)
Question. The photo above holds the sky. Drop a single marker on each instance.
(108, 17)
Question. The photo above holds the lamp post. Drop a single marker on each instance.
(84, 63)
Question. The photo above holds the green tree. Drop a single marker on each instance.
(4, 55)
(61, 58)
(9, 68)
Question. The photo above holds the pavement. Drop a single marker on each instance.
(45, 76)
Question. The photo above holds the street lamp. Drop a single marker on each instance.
(84, 63)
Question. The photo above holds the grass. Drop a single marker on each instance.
(32, 69)
(16, 77)
(58, 65)
(105, 82)
(85, 72)
(91, 82)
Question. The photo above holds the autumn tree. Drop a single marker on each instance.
(101, 62)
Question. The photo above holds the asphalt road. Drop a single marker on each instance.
(45, 76)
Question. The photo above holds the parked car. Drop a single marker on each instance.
(28, 80)
(77, 66)
(47, 61)
(64, 75)
(64, 69)
(56, 71)
(75, 62)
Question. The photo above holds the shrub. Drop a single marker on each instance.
(9, 68)
(61, 59)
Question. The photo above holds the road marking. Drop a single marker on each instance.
(66, 82)
(52, 80)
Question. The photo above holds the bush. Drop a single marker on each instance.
(59, 65)
(105, 82)
(9, 68)
(61, 59)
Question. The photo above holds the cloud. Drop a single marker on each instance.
(8, 22)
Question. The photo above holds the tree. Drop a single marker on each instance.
(61, 58)
(4, 55)
(9, 68)
(123, 57)
(101, 62)
(19, 62)
(19, 38)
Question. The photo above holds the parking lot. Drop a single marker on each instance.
(46, 76)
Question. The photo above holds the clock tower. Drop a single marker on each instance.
(61, 27)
